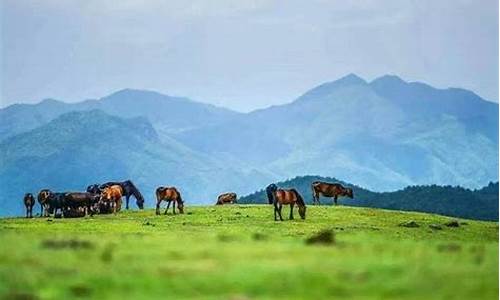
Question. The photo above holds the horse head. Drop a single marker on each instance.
(270, 189)
(93, 189)
(140, 203)
(180, 206)
(302, 211)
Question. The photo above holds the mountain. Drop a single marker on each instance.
(383, 135)
(80, 148)
(479, 204)
(167, 114)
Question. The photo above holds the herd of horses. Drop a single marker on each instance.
(107, 198)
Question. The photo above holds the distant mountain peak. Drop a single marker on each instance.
(327, 87)
(388, 79)
(349, 79)
(50, 101)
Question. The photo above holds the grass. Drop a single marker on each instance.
(240, 252)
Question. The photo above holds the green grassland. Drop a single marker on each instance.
(240, 252)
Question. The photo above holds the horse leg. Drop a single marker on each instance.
(126, 199)
(158, 207)
(168, 205)
(275, 212)
(335, 199)
(279, 211)
(173, 206)
(291, 211)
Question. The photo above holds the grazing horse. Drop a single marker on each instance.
(112, 196)
(169, 194)
(128, 189)
(326, 189)
(43, 200)
(29, 202)
(280, 197)
(226, 198)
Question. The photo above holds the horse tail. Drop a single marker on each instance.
(300, 200)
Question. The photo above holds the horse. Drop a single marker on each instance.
(94, 189)
(55, 201)
(112, 195)
(226, 198)
(43, 200)
(77, 200)
(326, 189)
(169, 194)
(29, 202)
(128, 189)
(280, 197)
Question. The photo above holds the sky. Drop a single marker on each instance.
(242, 55)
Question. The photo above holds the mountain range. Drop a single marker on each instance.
(383, 135)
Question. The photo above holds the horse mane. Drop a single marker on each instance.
(300, 200)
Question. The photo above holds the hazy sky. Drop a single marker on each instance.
(241, 54)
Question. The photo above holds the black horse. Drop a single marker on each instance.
(29, 202)
(56, 201)
(129, 189)
(78, 200)
(94, 189)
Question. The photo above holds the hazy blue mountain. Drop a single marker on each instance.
(383, 135)
(80, 148)
(455, 201)
(167, 114)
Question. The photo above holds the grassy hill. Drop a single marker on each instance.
(240, 252)
(481, 204)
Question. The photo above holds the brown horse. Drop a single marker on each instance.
(29, 202)
(226, 198)
(169, 194)
(333, 190)
(43, 200)
(113, 197)
(280, 197)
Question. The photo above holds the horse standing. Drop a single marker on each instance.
(112, 196)
(128, 189)
(55, 202)
(29, 202)
(226, 198)
(169, 194)
(326, 189)
(280, 197)
(43, 200)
